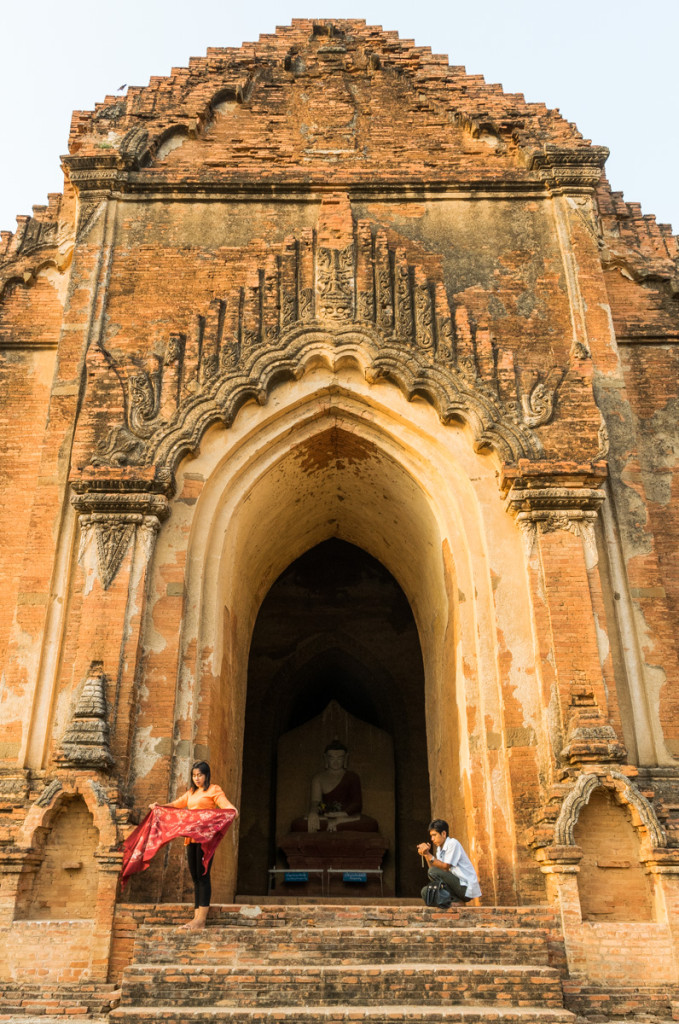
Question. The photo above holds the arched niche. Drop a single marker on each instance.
(65, 884)
(332, 456)
(335, 626)
(612, 882)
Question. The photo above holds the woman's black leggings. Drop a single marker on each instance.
(202, 887)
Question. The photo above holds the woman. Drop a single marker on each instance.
(202, 796)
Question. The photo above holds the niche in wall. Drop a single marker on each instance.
(612, 882)
(64, 886)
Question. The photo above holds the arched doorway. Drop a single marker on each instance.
(334, 626)
(354, 461)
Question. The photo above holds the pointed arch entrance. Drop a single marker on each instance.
(335, 626)
(327, 475)
(335, 456)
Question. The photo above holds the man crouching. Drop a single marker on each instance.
(449, 864)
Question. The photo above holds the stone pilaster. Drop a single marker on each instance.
(662, 865)
(109, 863)
(17, 868)
(118, 529)
(557, 520)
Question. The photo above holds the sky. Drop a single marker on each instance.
(608, 66)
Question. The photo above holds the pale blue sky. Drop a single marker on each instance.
(608, 66)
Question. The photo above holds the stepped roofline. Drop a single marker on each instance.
(187, 95)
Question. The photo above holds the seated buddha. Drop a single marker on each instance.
(336, 801)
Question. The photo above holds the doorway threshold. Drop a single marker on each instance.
(382, 901)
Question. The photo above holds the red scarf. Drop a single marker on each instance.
(165, 823)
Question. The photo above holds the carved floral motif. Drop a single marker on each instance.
(538, 405)
(335, 283)
(113, 539)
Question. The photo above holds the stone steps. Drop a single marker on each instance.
(395, 915)
(27, 998)
(318, 963)
(344, 1015)
(240, 945)
(351, 985)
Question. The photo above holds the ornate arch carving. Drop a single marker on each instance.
(339, 292)
(581, 793)
(62, 789)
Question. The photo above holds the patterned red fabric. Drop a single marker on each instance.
(165, 823)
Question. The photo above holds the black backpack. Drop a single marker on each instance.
(437, 895)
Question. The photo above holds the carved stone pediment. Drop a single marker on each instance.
(342, 288)
(112, 519)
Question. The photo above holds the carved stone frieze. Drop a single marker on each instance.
(113, 519)
(343, 286)
(567, 169)
(335, 284)
(85, 743)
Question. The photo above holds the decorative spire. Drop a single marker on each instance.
(85, 743)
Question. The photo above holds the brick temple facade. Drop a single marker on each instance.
(337, 374)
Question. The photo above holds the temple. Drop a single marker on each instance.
(339, 378)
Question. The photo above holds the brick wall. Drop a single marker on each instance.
(620, 954)
(46, 951)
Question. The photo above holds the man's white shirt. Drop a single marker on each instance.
(453, 853)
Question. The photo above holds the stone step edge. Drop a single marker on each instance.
(510, 931)
(308, 940)
(395, 903)
(31, 998)
(414, 966)
(30, 1018)
(171, 911)
(308, 1013)
(417, 906)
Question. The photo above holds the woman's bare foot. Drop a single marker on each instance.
(199, 920)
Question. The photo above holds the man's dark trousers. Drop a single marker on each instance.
(452, 883)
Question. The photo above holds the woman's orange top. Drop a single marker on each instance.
(202, 800)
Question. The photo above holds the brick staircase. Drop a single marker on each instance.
(378, 963)
(69, 1001)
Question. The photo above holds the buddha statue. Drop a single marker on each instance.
(336, 802)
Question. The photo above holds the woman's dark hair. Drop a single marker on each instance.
(439, 825)
(204, 767)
